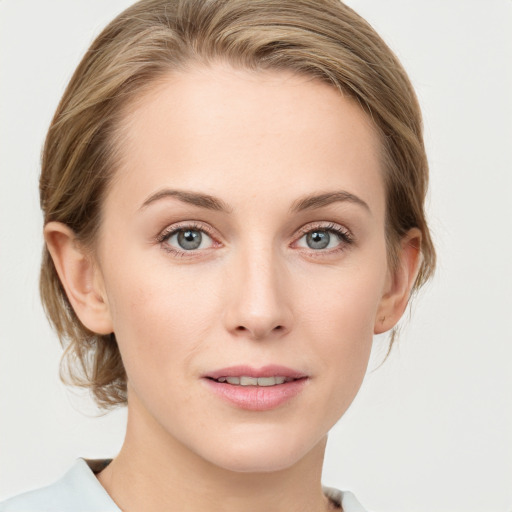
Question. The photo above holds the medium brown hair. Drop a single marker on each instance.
(323, 39)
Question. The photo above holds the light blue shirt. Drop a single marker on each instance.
(80, 491)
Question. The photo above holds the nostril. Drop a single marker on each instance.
(257, 333)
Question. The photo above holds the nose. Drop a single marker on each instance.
(258, 305)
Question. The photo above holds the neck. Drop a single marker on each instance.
(154, 472)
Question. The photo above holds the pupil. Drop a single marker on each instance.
(318, 239)
(189, 239)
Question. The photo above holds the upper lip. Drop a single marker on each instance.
(271, 370)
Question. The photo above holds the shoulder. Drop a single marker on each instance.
(78, 490)
(345, 500)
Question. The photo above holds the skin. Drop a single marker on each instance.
(253, 293)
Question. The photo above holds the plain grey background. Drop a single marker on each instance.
(432, 428)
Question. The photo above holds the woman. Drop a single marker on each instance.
(233, 198)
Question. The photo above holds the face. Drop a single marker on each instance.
(242, 258)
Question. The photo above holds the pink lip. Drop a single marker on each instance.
(271, 370)
(256, 398)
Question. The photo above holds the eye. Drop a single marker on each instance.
(325, 238)
(188, 239)
(318, 239)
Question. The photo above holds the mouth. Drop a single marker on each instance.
(260, 389)
(245, 380)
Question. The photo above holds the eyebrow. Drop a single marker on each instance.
(209, 202)
(194, 198)
(315, 201)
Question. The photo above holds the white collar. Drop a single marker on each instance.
(80, 491)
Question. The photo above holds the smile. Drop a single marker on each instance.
(256, 389)
(255, 381)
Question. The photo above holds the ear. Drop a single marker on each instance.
(80, 277)
(399, 283)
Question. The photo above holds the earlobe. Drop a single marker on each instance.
(80, 277)
(399, 283)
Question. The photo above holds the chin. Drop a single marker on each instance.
(257, 463)
(262, 454)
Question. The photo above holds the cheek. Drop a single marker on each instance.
(160, 321)
(338, 316)
(160, 316)
(344, 305)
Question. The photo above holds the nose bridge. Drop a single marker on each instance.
(257, 305)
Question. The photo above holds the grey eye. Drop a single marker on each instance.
(189, 239)
(318, 239)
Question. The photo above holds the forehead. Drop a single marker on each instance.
(228, 131)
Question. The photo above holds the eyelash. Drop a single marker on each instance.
(344, 235)
(167, 233)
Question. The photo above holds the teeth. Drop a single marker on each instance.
(248, 381)
(266, 381)
(254, 381)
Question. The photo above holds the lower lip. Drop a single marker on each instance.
(257, 398)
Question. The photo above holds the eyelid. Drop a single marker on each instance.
(325, 226)
(170, 230)
(345, 236)
(178, 226)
